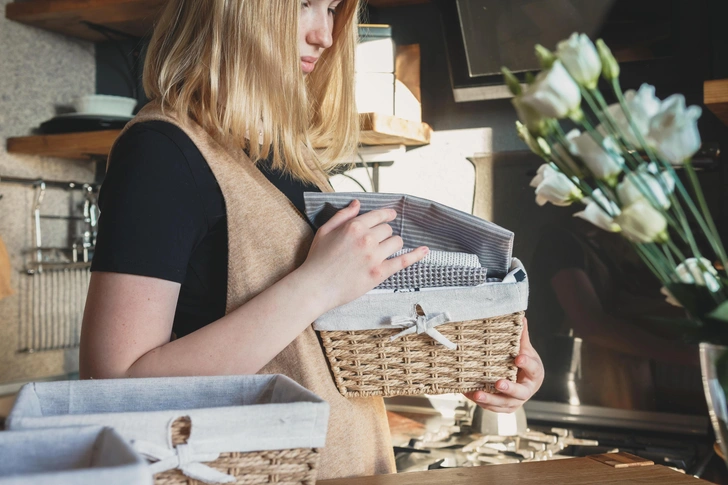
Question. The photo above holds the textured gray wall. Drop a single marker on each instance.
(39, 72)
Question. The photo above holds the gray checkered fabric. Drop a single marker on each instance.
(444, 258)
(430, 276)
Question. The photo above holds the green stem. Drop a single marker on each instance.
(693, 177)
(676, 250)
(714, 241)
(652, 262)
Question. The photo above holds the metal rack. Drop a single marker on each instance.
(54, 292)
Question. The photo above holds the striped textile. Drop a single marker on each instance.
(422, 222)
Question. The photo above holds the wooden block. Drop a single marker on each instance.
(621, 460)
(379, 129)
(715, 97)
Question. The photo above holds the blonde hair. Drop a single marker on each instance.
(233, 66)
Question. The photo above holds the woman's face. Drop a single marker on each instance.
(315, 28)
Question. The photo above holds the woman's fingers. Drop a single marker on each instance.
(381, 233)
(341, 217)
(495, 402)
(391, 266)
(376, 217)
(516, 390)
(530, 367)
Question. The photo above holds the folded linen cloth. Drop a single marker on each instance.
(422, 222)
(431, 276)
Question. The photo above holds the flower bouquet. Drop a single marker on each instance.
(620, 164)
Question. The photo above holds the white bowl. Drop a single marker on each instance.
(103, 104)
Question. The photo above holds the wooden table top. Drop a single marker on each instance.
(600, 469)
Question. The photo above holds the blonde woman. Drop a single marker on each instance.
(204, 264)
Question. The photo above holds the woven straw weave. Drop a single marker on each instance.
(284, 467)
(367, 363)
(428, 276)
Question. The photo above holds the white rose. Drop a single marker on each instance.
(643, 105)
(690, 271)
(636, 184)
(553, 94)
(642, 223)
(581, 59)
(597, 216)
(674, 130)
(555, 187)
(604, 161)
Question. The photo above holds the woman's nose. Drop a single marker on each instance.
(320, 33)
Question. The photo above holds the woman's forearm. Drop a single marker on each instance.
(243, 341)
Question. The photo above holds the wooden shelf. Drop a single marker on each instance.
(394, 3)
(78, 146)
(377, 129)
(715, 97)
(134, 17)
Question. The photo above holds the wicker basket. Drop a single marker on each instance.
(285, 467)
(427, 337)
(368, 363)
(76, 455)
(248, 429)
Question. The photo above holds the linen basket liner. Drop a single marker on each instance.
(79, 455)
(378, 309)
(255, 413)
(422, 222)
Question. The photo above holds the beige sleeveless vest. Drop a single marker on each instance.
(267, 239)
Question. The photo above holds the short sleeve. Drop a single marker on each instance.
(152, 217)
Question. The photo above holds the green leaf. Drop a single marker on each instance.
(696, 299)
(720, 313)
(721, 367)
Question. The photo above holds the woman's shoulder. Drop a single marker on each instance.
(159, 146)
(155, 135)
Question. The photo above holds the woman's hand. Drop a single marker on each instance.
(513, 395)
(348, 256)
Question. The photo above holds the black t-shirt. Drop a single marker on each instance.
(163, 216)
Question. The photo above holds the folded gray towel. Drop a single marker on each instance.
(444, 258)
(431, 276)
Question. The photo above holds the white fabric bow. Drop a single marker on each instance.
(185, 459)
(423, 324)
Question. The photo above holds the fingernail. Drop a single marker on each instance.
(426, 249)
(502, 386)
